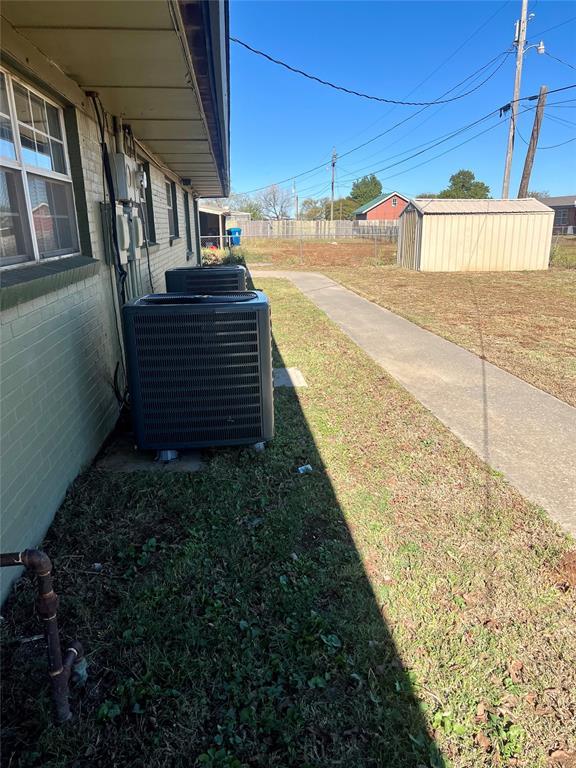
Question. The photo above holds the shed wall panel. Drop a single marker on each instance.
(408, 244)
(482, 242)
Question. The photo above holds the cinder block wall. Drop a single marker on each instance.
(58, 354)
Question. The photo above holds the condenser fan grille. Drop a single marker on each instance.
(209, 284)
(199, 376)
(214, 280)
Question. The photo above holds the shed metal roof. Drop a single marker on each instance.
(451, 205)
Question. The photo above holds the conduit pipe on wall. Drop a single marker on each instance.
(60, 670)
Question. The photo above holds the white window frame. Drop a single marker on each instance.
(562, 217)
(24, 168)
(169, 206)
(394, 201)
(173, 208)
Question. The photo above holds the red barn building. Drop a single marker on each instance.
(383, 208)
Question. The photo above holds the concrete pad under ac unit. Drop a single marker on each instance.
(288, 377)
(122, 456)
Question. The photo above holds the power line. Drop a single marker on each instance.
(505, 54)
(550, 146)
(343, 89)
(556, 26)
(442, 140)
(445, 61)
(560, 60)
(322, 165)
(561, 121)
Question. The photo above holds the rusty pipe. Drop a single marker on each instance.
(60, 671)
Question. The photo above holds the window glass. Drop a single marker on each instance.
(53, 216)
(43, 159)
(58, 161)
(6, 139)
(38, 113)
(42, 144)
(53, 122)
(4, 108)
(15, 242)
(28, 146)
(170, 206)
(149, 205)
(185, 200)
(22, 104)
(37, 215)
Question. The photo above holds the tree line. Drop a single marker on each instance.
(275, 202)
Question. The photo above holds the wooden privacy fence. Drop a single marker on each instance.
(319, 230)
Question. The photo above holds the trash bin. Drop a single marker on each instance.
(234, 233)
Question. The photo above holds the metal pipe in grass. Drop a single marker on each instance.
(60, 670)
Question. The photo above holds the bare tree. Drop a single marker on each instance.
(275, 202)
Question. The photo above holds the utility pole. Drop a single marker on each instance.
(531, 151)
(519, 42)
(295, 200)
(334, 156)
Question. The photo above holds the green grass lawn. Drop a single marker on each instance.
(401, 606)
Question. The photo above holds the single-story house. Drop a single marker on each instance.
(387, 207)
(144, 87)
(446, 235)
(564, 213)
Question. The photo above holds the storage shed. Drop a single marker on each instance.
(446, 235)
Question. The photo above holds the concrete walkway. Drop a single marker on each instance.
(517, 429)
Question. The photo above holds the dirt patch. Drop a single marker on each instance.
(318, 253)
(566, 570)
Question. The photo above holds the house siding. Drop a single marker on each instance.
(384, 211)
(58, 355)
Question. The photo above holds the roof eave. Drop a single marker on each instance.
(206, 27)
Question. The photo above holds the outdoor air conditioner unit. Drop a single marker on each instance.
(199, 370)
(206, 280)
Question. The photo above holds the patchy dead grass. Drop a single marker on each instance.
(317, 253)
(524, 322)
(563, 253)
(399, 606)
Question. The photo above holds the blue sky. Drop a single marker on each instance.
(283, 124)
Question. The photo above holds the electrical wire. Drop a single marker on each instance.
(447, 151)
(567, 64)
(561, 121)
(556, 26)
(101, 120)
(505, 54)
(322, 165)
(350, 91)
(144, 217)
(550, 146)
(433, 144)
(100, 115)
